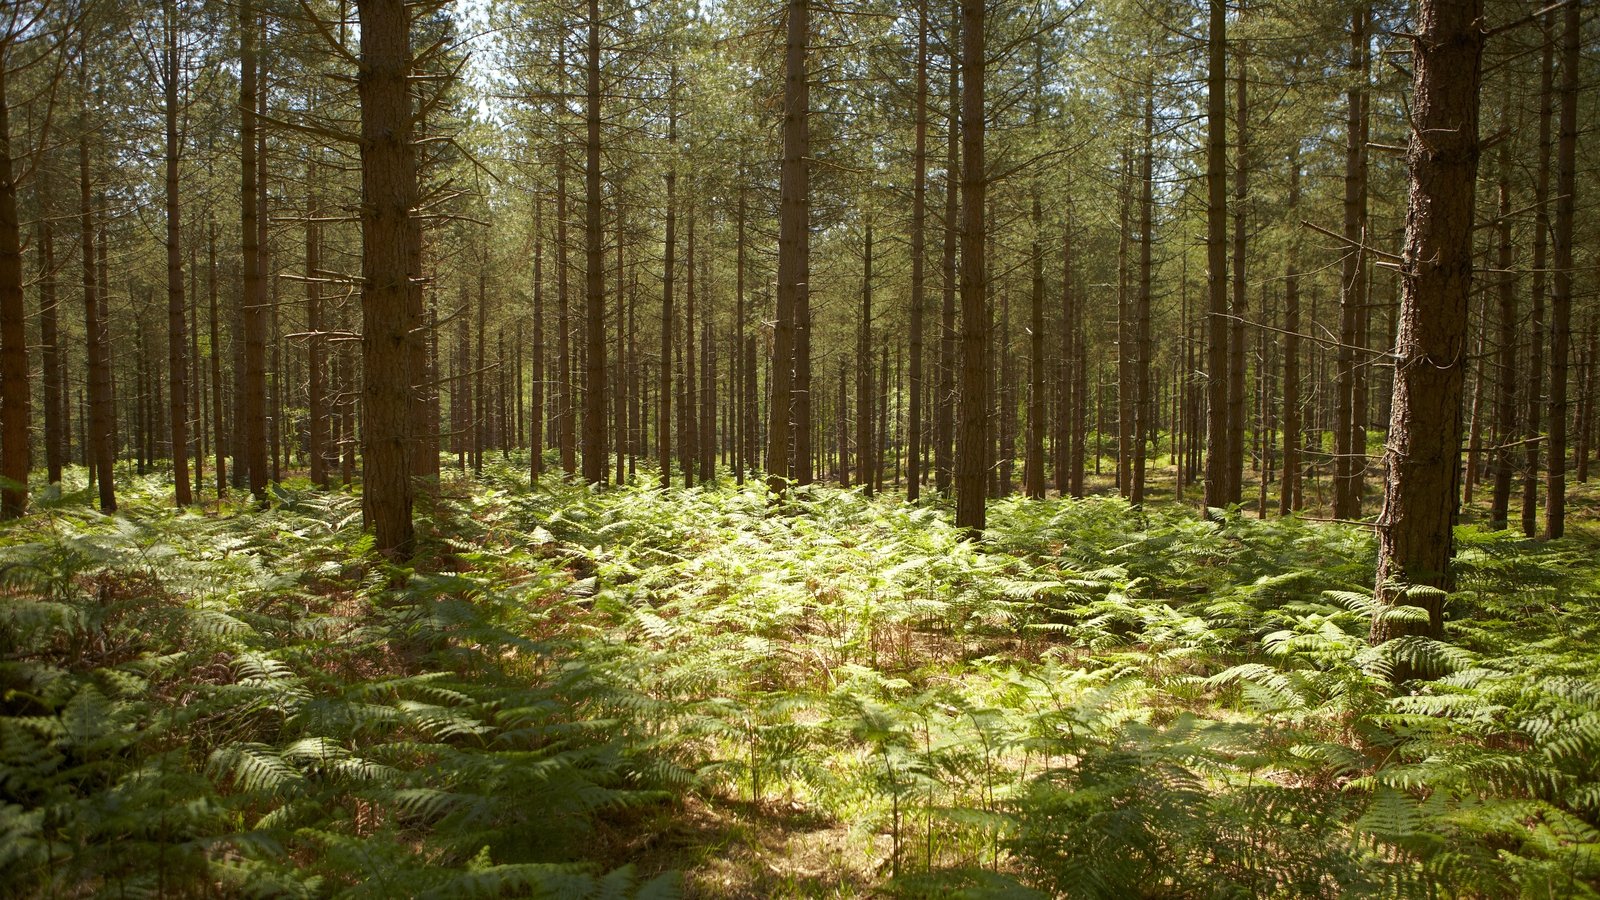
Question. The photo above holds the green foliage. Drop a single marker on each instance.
(1095, 701)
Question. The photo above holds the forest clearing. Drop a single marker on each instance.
(1020, 449)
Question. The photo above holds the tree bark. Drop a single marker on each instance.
(1218, 490)
(1555, 508)
(1349, 459)
(794, 218)
(919, 216)
(388, 197)
(177, 338)
(972, 451)
(253, 311)
(16, 456)
(594, 380)
(1422, 462)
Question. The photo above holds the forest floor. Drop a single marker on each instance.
(627, 692)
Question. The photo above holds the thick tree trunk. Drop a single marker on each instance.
(16, 456)
(1422, 463)
(388, 198)
(1218, 490)
(793, 265)
(972, 451)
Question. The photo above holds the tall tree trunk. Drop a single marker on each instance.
(253, 313)
(1505, 406)
(794, 224)
(707, 443)
(919, 217)
(594, 381)
(1033, 464)
(177, 361)
(220, 436)
(388, 196)
(1290, 485)
(1218, 467)
(689, 389)
(1144, 418)
(56, 415)
(1555, 508)
(1239, 307)
(316, 389)
(664, 394)
(943, 454)
(972, 451)
(536, 394)
(1534, 406)
(1422, 462)
(864, 391)
(100, 437)
(1349, 458)
(15, 382)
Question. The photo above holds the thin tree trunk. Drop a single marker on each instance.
(664, 392)
(594, 381)
(1555, 509)
(1289, 487)
(1534, 401)
(919, 216)
(253, 312)
(177, 362)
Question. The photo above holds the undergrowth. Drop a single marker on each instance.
(1095, 701)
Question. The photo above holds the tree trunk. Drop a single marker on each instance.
(971, 452)
(536, 394)
(664, 392)
(1218, 490)
(1144, 412)
(1422, 462)
(919, 216)
(15, 381)
(1534, 405)
(793, 252)
(1290, 484)
(1505, 406)
(101, 433)
(177, 361)
(388, 196)
(943, 458)
(864, 374)
(1239, 307)
(594, 380)
(253, 311)
(56, 415)
(1555, 509)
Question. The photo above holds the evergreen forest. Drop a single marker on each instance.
(785, 449)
